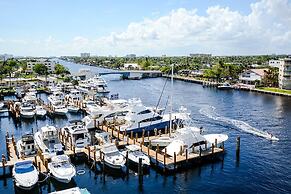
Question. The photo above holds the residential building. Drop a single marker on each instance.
(200, 55)
(252, 76)
(131, 66)
(285, 74)
(49, 64)
(85, 55)
(275, 63)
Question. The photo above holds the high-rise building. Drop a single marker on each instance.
(85, 55)
(285, 74)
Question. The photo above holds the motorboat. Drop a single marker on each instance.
(225, 86)
(78, 133)
(25, 174)
(47, 140)
(164, 141)
(142, 118)
(72, 108)
(40, 111)
(191, 139)
(27, 110)
(74, 95)
(30, 97)
(102, 137)
(96, 85)
(26, 146)
(112, 157)
(75, 190)
(134, 154)
(61, 168)
(56, 101)
(2, 105)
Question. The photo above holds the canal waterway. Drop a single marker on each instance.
(263, 166)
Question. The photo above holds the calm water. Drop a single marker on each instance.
(264, 166)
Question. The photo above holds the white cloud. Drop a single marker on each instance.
(267, 29)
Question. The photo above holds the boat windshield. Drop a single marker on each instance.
(24, 168)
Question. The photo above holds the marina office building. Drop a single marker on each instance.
(285, 74)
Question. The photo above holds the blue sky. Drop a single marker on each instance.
(112, 27)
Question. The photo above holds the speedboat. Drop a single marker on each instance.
(25, 174)
(40, 111)
(75, 190)
(47, 140)
(61, 168)
(112, 157)
(78, 133)
(134, 154)
(27, 110)
(225, 86)
(26, 146)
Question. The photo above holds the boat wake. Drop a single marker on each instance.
(210, 113)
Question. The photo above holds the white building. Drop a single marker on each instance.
(285, 74)
(131, 66)
(131, 56)
(49, 64)
(275, 63)
(85, 55)
(200, 55)
(252, 76)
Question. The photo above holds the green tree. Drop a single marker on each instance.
(60, 69)
(271, 77)
(40, 69)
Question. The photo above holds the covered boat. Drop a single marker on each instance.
(25, 175)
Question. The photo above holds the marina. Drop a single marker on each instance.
(164, 163)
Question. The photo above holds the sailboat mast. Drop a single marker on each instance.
(171, 98)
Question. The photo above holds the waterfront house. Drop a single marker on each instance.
(252, 76)
(131, 66)
(285, 74)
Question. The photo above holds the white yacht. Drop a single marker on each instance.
(27, 110)
(225, 86)
(78, 133)
(74, 95)
(40, 111)
(30, 97)
(26, 146)
(56, 101)
(134, 154)
(72, 108)
(25, 174)
(61, 168)
(96, 84)
(189, 139)
(143, 118)
(112, 157)
(47, 140)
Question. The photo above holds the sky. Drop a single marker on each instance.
(145, 27)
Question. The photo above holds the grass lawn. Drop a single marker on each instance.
(276, 90)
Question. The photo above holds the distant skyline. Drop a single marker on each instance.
(145, 27)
